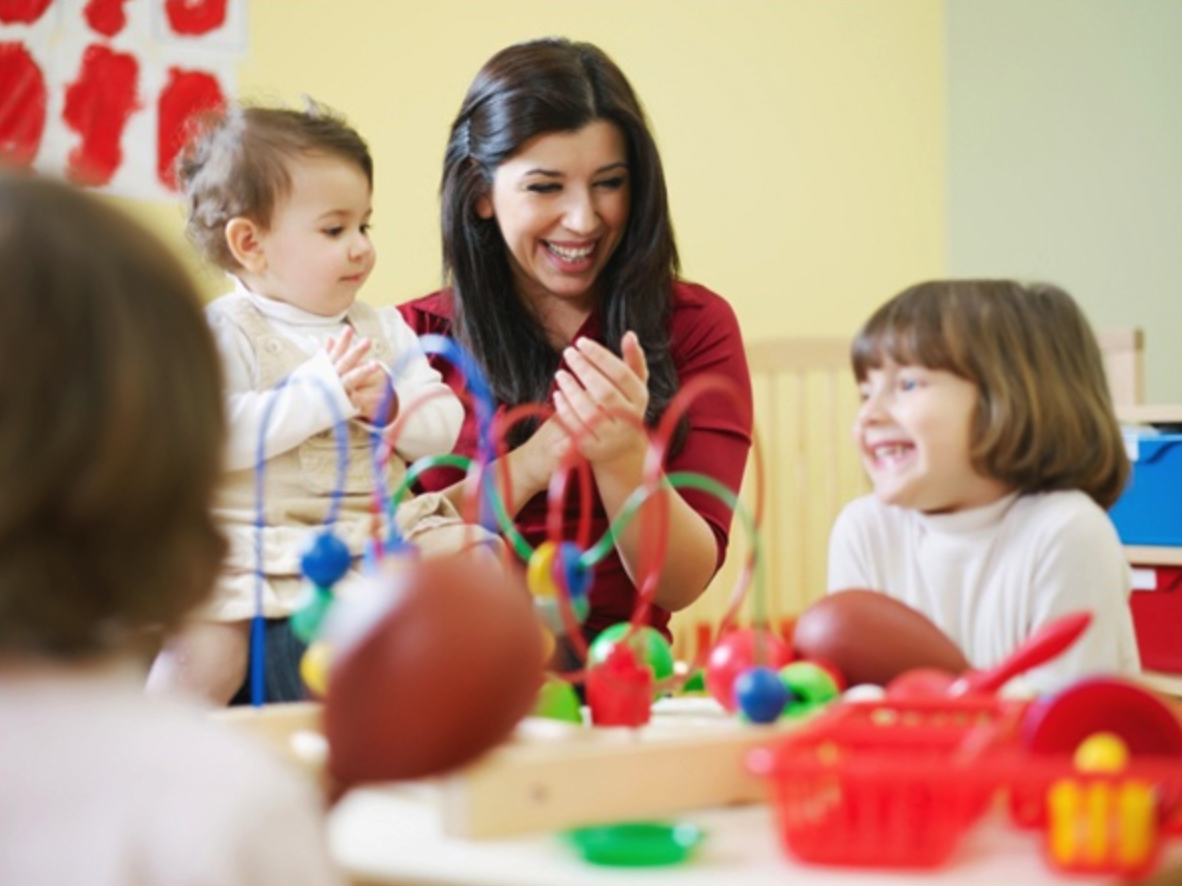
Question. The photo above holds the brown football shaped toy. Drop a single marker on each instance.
(872, 638)
(436, 667)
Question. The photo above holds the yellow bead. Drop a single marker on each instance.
(549, 643)
(540, 572)
(314, 668)
(1101, 752)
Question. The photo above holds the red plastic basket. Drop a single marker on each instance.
(884, 784)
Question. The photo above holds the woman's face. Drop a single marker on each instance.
(562, 204)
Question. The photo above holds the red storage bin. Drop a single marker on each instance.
(1157, 617)
(894, 783)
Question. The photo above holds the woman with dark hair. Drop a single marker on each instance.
(562, 281)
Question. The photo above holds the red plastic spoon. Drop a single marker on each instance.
(1044, 644)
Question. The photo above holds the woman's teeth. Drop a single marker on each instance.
(571, 254)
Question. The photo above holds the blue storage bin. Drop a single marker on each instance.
(1149, 511)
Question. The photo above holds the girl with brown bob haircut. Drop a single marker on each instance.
(1044, 419)
(988, 434)
(111, 434)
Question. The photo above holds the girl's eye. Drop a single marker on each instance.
(612, 184)
(334, 231)
(366, 228)
(908, 384)
(545, 188)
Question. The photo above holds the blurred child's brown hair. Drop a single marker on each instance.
(1044, 418)
(111, 427)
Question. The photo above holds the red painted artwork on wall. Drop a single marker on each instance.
(100, 91)
(186, 93)
(195, 17)
(22, 12)
(106, 17)
(22, 113)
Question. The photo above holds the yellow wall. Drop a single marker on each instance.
(803, 139)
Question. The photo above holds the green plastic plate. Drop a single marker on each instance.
(636, 844)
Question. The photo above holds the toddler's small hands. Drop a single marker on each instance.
(371, 393)
(347, 351)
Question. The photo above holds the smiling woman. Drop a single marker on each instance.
(562, 272)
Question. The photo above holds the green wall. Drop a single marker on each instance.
(1065, 158)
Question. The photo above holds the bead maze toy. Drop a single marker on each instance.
(381, 724)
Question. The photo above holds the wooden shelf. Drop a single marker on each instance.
(1170, 684)
(1147, 414)
(1153, 555)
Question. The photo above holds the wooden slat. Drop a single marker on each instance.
(803, 354)
(1124, 358)
(1153, 555)
(1148, 414)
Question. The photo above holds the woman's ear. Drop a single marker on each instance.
(484, 207)
(242, 237)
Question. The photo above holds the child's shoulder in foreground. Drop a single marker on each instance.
(148, 778)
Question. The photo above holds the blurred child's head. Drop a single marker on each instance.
(1024, 363)
(281, 198)
(111, 427)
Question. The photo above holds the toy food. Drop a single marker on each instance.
(433, 663)
(872, 638)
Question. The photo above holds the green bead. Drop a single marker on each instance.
(695, 683)
(810, 685)
(557, 700)
(647, 643)
(305, 623)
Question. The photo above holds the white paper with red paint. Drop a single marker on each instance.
(99, 91)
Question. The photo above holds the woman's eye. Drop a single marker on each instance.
(545, 189)
(612, 184)
(908, 384)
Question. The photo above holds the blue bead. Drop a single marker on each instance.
(760, 694)
(325, 560)
(577, 576)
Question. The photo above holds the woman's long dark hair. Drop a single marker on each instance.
(527, 90)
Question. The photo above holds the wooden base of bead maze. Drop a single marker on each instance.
(552, 775)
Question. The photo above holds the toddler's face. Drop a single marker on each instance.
(913, 434)
(317, 251)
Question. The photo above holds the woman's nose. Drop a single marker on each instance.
(581, 216)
